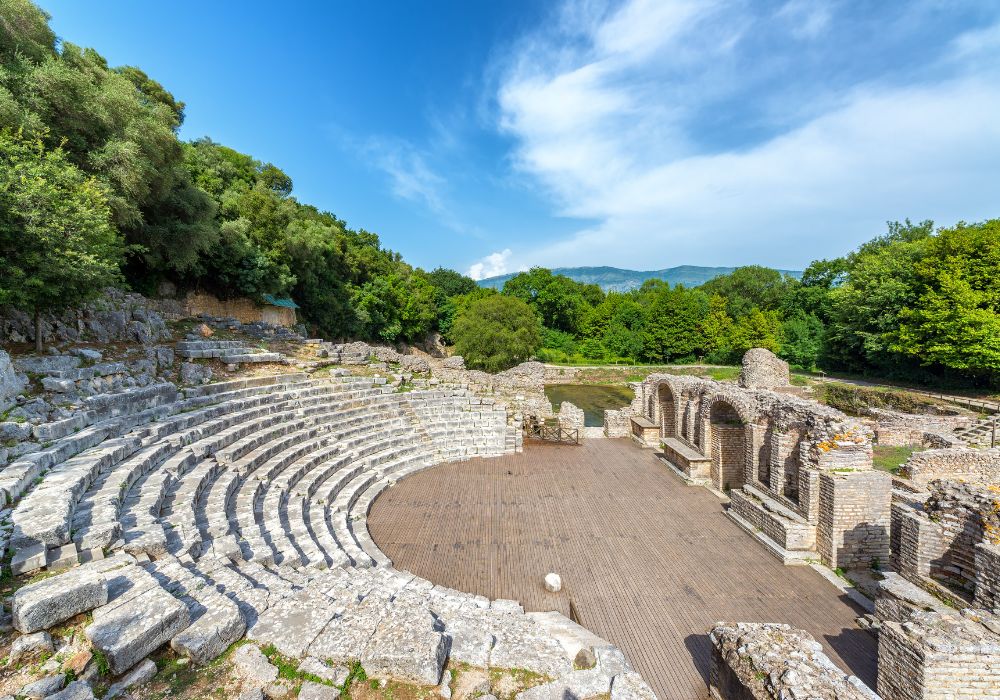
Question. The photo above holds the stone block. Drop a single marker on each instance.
(77, 690)
(62, 557)
(132, 631)
(28, 559)
(53, 600)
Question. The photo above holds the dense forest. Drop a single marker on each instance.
(916, 303)
(97, 188)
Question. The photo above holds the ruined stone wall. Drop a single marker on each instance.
(753, 661)
(937, 656)
(571, 416)
(762, 369)
(988, 576)
(967, 464)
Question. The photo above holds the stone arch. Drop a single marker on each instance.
(665, 411)
(727, 440)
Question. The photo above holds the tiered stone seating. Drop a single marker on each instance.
(241, 507)
(229, 351)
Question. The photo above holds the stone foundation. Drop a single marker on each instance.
(935, 656)
(753, 661)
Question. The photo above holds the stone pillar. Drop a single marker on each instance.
(937, 656)
(854, 516)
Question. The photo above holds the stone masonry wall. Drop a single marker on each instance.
(936, 656)
(728, 449)
(571, 416)
(853, 530)
(967, 464)
(753, 661)
(988, 577)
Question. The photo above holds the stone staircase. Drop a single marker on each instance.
(231, 352)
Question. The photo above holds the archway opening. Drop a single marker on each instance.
(728, 446)
(668, 412)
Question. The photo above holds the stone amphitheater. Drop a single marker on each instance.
(164, 514)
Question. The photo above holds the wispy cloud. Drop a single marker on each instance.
(692, 130)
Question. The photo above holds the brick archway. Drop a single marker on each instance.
(727, 440)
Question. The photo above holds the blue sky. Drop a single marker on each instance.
(490, 136)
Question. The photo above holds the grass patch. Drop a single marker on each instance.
(890, 458)
(856, 400)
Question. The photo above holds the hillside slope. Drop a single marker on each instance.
(617, 279)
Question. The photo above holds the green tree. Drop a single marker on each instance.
(561, 302)
(57, 245)
(801, 339)
(673, 326)
(757, 329)
(954, 320)
(751, 286)
(497, 332)
(718, 331)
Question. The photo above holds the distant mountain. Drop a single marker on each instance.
(616, 279)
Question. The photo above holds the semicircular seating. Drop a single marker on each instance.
(239, 508)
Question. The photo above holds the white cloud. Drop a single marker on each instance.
(492, 265)
(605, 111)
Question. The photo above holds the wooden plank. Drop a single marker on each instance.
(650, 563)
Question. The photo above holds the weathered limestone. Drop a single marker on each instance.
(937, 656)
(571, 417)
(773, 662)
(51, 601)
(762, 369)
(127, 633)
(29, 646)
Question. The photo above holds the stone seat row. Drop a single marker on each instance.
(143, 509)
(246, 514)
(41, 516)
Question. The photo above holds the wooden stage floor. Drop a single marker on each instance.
(649, 563)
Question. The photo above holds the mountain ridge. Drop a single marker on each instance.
(621, 279)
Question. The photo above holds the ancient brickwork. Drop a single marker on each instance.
(967, 464)
(753, 661)
(854, 517)
(938, 656)
(988, 576)
(777, 449)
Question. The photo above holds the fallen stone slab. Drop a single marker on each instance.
(317, 691)
(51, 601)
(131, 632)
(77, 690)
(30, 646)
(251, 663)
(212, 633)
(143, 673)
(630, 686)
(406, 646)
(573, 686)
(44, 687)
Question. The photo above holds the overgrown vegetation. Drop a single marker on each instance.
(95, 185)
(855, 400)
(890, 458)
